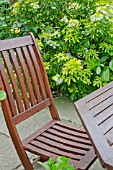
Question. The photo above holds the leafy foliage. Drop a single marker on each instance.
(75, 39)
(61, 164)
(2, 95)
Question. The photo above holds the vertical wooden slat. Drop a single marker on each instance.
(39, 59)
(13, 81)
(7, 88)
(38, 72)
(21, 82)
(32, 74)
(26, 76)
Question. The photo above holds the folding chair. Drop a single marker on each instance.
(24, 79)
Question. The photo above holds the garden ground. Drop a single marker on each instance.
(8, 157)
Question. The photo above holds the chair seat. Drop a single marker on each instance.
(96, 113)
(59, 138)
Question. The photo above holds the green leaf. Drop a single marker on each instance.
(111, 65)
(105, 75)
(19, 25)
(63, 159)
(54, 167)
(2, 18)
(44, 165)
(34, 29)
(98, 70)
(102, 65)
(71, 167)
(72, 96)
(73, 79)
(104, 58)
(2, 95)
(111, 53)
(50, 161)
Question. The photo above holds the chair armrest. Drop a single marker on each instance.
(99, 142)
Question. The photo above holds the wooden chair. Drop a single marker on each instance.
(96, 113)
(24, 79)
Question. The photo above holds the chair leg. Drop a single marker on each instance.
(24, 159)
(15, 137)
(108, 167)
(23, 156)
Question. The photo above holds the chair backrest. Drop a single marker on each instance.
(24, 79)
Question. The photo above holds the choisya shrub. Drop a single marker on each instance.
(75, 39)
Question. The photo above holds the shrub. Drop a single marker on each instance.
(61, 164)
(75, 39)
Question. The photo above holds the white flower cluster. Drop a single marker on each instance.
(56, 34)
(35, 5)
(64, 19)
(53, 7)
(74, 5)
(102, 12)
(73, 22)
(53, 44)
(58, 79)
(96, 17)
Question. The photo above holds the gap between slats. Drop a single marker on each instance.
(40, 151)
(100, 99)
(13, 81)
(38, 71)
(60, 139)
(55, 150)
(98, 92)
(104, 115)
(107, 125)
(72, 132)
(99, 103)
(20, 79)
(102, 106)
(46, 154)
(71, 127)
(60, 145)
(67, 136)
(5, 84)
(26, 76)
(32, 74)
(109, 137)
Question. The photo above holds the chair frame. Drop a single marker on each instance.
(46, 100)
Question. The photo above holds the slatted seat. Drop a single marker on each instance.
(57, 139)
(96, 113)
(24, 79)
